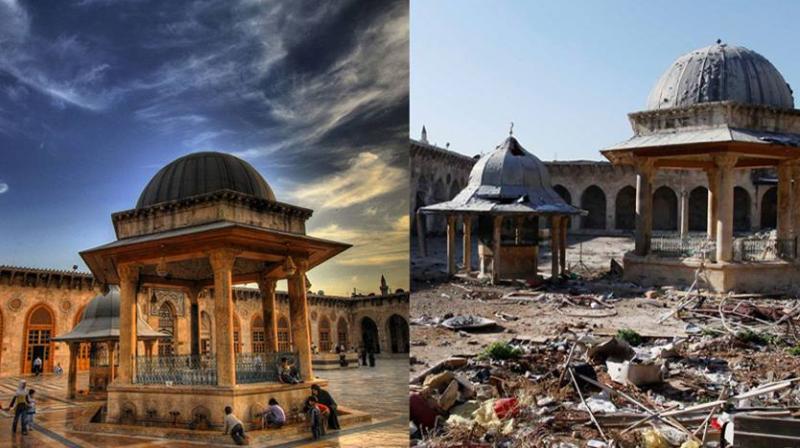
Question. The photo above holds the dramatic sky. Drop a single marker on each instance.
(97, 95)
(567, 73)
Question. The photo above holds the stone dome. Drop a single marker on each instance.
(201, 173)
(721, 72)
(510, 172)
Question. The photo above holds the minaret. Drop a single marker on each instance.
(424, 138)
(384, 286)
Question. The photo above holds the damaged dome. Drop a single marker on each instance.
(721, 72)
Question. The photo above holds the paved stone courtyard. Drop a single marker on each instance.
(381, 391)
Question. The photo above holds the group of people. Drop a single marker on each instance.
(320, 409)
(24, 406)
(367, 355)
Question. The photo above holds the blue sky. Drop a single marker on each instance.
(567, 73)
(97, 95)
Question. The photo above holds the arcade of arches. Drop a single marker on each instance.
(45, 303)
(607, 192)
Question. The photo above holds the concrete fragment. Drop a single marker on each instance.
(449, 397)
(612, 348)
(635, 372)
(439, 381)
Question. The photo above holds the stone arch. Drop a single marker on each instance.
(769, 208)
(258, 343)
(593, 199)
(324, 331)
(665, 209)
(342, 334)
(206, 334)
(741, 209)
(128, 414)
(201, 418)
(85, 348)
(284, 335)
(369, 335)
(564, 193)
(698, 209)
(625, 208)
(397, 329)
(167, 323)
(40, 327)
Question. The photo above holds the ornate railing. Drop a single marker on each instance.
(202, 369)
(691, 246)
(763, 249)
(177, 369)
(261, 367)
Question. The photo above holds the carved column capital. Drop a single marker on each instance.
(222, 259)
(128, 273)
(266, 284)
(726, 161)
(301, 267)
(644, 166)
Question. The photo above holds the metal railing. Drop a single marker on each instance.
(691, 246)
(202, 369)
(763, 249)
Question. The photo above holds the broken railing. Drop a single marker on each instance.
(202, 369)
(763, 249)
(675, 246)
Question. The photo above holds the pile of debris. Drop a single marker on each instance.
(727, 381)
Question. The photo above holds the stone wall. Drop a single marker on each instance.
(64, 294)
(608, 192)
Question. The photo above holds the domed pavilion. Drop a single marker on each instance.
(208, 220)
(508, 191)
(99, 327)
(720, 109)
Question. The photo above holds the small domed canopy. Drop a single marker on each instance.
(721, 72)
(100, 322)
(201, 173)
(509, 179)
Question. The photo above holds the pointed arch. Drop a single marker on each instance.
(342, 333)
(665, 209)
(258, 343)
(593, 200)
(167, 325)
(39, 331)
(698, 209)
(284, 335)
(625, 208)
(324, 335)
(206, 334)
(237, 334)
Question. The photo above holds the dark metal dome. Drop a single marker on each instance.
(100, 321)
(721, 72)
(202, 173)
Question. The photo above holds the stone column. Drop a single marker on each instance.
(784, 229)
(467, 249)
(451, 244)
(298, 314)
(555, 250)
(72, 376)
(111, 361)
(269, 309)
(684, 213)
(496, 243)
(563, 245)
(644, 206)
(128, 287)
(222, 261)
(713, 191)
(194, 320)
(724, 214)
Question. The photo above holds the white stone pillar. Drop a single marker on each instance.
(451, 245)
(298, 314)
(724, 214)
(222, 264)
(713, 187)
(496, 244)
(467, 250)
(784, 229)
(269, 311)
(644, 206)
(555, 249)
(684, 213)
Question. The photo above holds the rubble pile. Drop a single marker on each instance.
(737, 356)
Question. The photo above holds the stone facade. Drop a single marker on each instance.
(606, 191)
(34, 302)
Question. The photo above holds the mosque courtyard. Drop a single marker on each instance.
(56, 414)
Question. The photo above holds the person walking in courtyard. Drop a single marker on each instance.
(371, 355)
(314, 418)
(287, 372)
(324, 397)
(274, 416)
(20, 400)
(37, 366)
(363, 355)
(30, 412)
(234, 426)
(58, 370)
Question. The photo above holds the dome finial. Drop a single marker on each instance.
(719, 41)
(511, 130)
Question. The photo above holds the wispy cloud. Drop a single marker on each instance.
(367, 177)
